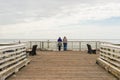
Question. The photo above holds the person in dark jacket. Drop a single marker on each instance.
(59, 43)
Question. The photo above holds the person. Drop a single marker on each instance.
(59, 43)
(65, 43)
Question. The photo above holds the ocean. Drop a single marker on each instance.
(117, 41)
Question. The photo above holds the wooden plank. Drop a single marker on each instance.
(64, 65)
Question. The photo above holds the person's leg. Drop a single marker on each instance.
(64, 46)
(59, 48)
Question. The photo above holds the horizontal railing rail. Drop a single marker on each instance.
(72, 45)
(110, 58)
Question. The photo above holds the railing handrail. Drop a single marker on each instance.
(110, 58)
(13, 57)
(72, 45)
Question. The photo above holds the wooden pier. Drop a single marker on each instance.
(64, 65)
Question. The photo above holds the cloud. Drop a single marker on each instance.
(67, 20)
(16, 11)
(75, 14)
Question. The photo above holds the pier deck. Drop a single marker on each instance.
(64, 65)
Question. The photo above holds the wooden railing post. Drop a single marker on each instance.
(42, 44)
(30, 44)
(96, 45)
(79, 45)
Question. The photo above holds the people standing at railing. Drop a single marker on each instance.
(65, 43)
(59, 43)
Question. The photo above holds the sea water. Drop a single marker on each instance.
(25, 40)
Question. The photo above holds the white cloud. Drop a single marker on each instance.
(66, 22)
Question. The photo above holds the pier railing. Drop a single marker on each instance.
(12, 58)
(110, 58)
(72, 45)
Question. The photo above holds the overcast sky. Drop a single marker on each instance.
(49, 19)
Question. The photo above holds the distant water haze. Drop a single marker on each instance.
(116, 41)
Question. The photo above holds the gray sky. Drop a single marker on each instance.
(49, 19)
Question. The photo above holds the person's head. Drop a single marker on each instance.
(59, 37)
(64, 37)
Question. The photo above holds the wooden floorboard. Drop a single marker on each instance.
(64, 65)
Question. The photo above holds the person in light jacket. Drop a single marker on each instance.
(65, 43)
